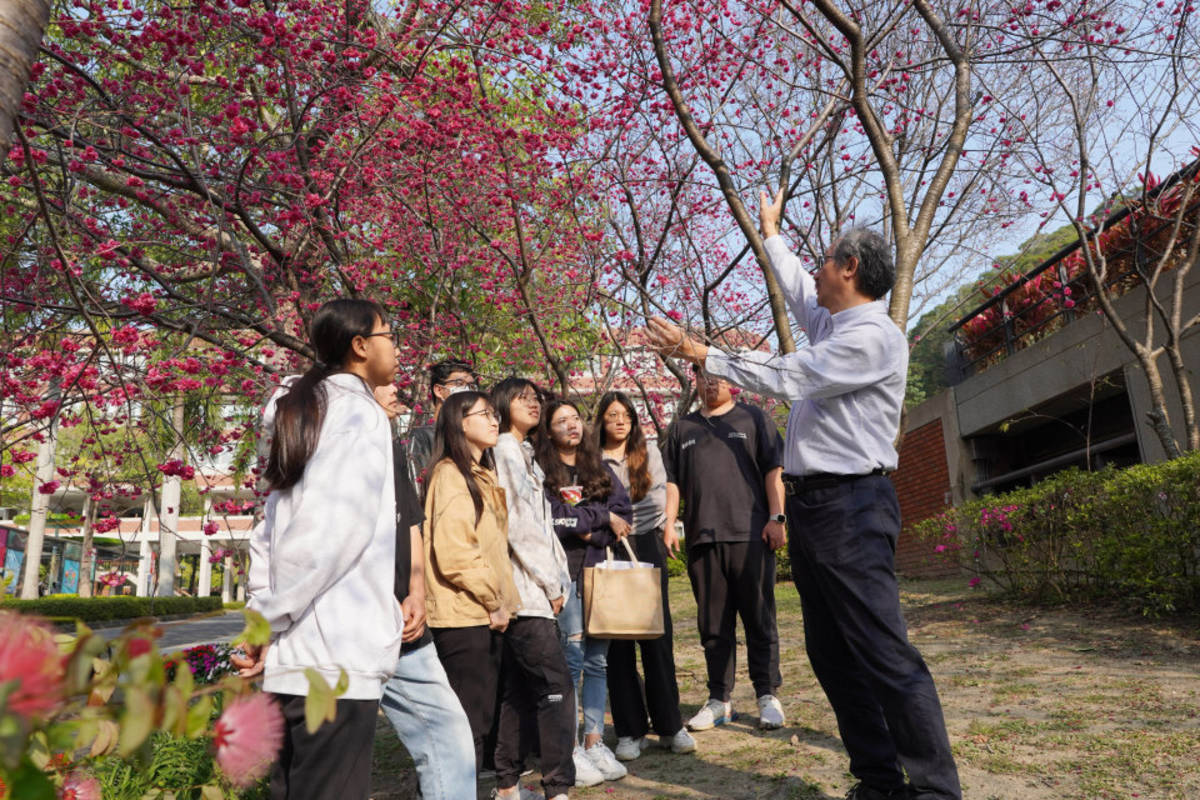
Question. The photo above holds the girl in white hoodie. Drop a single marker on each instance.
(323, 560)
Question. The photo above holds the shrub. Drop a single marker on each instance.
(1130, 535)
(208, 662)
(103, 609)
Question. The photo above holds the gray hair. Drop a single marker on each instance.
(876, 271)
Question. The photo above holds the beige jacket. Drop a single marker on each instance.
(467, 569)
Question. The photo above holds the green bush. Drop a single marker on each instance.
(1130, 535)
(103, 609)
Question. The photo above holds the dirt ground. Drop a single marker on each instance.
(1041, 703)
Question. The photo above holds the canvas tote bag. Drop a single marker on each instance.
(623, 599)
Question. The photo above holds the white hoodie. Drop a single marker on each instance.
(322, 561)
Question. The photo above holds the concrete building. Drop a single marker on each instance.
(1046, 384)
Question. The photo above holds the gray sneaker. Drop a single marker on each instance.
(681, 742)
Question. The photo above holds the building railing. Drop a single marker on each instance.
(1054, 293)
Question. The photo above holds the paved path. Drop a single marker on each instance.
(190, 632)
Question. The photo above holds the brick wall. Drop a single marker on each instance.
(923, 485)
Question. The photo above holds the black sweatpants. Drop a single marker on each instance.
(536, 683)
(628, 696)
(731, 580)
(842, 545)
(332, 764)
(471, 657)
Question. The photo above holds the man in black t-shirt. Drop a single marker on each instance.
(417, 699)
(725, 461)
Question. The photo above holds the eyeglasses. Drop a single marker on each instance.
(617, 416)
(393, 335)
(460, 383)
(490, 413)
(529, 398)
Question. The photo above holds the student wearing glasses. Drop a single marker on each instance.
(618, 434)
(470, 593)
(323, 559)
(445, 378)
(536, 680)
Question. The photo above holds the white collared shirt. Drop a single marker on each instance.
(846, 388)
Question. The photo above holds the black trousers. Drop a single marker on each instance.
(332, 764)
(471, 657)
(628, 697)
(538, 684)
(842, 545)
(730, 580)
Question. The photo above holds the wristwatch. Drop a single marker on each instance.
(780, 518)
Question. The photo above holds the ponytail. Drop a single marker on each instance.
(300, 412)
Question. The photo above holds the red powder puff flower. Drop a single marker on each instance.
(247, 738)
(80, 786)
(30, 664)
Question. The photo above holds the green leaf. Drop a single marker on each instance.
(137, 721)
(321, 704)
(257, 630)
(175, 709)
(211, 792)
(197, 717)
(27, 782)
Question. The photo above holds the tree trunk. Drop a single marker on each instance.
(86, 558)
(22, 23)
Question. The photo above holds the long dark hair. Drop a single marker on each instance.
(299, 413)
(593, 476)
(635, 443)
(449, 442)
(503, 395)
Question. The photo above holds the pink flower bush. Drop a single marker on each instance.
(29, 659)
(80, 786)
(247, 738)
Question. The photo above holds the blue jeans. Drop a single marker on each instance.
(586, 658)
(432, 725)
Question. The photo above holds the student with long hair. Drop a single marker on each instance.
(323, 558)
(417, 700)
(618, 435)
(470, 594)
(591, 510)
(537, 681)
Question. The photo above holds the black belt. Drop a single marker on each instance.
(795, 484)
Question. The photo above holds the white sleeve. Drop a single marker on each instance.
(333, 519)
(835, 366)
(799, 290)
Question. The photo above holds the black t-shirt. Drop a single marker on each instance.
(408, 513)
(720, 464)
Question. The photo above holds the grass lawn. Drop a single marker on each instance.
(1082, 703)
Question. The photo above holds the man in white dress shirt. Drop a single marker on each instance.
(847, 392)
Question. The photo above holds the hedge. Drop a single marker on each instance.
(103, 609)
(1130, 535)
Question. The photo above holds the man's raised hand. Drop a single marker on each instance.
(770, 212)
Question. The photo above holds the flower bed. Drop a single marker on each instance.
(1127, 535)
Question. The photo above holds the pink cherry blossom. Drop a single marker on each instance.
(30, 659)
(247, 738)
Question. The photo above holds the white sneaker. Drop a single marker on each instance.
(558, 797)
(714, 713)
(604, 760)
(586, 773)
(681, 742)
(770, 712)
(629, 747)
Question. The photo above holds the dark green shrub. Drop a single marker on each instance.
(1130, 535)
(104, 609)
